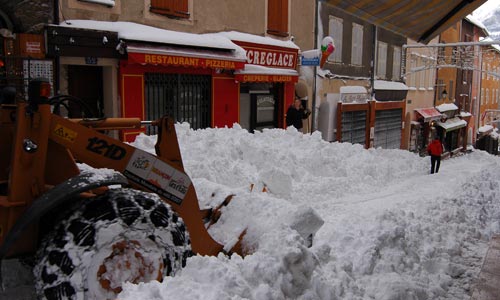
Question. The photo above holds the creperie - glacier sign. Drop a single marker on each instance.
(268, 56)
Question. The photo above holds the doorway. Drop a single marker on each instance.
(85, 83)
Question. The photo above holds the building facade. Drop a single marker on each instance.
(490, 85)
(163, 59)
(360, 98)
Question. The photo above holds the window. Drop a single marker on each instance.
(277, 17)
(422, 73)
(432, 75)
(171, 8)
(335, 28)
(412, 77)
(487, 95)
(357, 45)
(382, 60)
(482, 96)
(450, 91)
(396, 63)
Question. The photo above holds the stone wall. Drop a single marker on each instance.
(28, 16)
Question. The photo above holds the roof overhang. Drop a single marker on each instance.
(419, 20)
(452, 124)
(429, 114)
(184, 56)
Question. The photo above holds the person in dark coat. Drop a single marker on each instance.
(435, 149)
(295, 114)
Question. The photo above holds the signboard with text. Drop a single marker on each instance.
(270, 56)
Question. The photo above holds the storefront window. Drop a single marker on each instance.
(184, 97)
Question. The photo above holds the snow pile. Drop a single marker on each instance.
(390, 231)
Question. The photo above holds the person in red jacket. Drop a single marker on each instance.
(435, 149)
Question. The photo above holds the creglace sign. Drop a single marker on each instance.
(270, 56)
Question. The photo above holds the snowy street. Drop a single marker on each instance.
(390, 231)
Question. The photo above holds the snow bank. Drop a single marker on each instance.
(390, 231)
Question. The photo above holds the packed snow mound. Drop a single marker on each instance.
(387, 229)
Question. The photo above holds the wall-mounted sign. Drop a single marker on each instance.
(91, 60)
(270, 56)
(33, 47)
(197, 62)
(353, 98)
(265, 78)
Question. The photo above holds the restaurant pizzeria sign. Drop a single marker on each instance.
(185, 61)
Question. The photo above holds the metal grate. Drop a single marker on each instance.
(388, 129)
(354, 127)
(184, 97)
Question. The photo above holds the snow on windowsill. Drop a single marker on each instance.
(110, 3)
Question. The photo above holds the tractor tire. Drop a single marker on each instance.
(122, 235)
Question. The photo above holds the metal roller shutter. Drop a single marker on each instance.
(388, 126)
(354, 127)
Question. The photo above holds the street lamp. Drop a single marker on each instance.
(444, 94)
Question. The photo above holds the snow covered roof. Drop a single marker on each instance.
(446, 107)
(476, 22)
(452, 124)
(490, 39)
(465, 114)
(390, 85)
(184, 51)
(429, 113)
(353, 89)
(256, 69)
(138, 32)
(257, 39)
(485, 129)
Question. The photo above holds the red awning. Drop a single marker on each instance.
(429, 114)
(256, 73)
(185, 57)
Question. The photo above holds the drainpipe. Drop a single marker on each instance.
(374, 56)
(57, 64)
(315, 72)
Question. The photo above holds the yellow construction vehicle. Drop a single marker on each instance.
(137, 219)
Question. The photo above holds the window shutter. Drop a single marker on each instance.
(382, 60)
(181, 8)
(277, 17)
(335, 30)
(357, 45)
(173, 8)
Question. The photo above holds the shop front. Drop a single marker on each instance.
(420, 133)
(452, 129)
(86, 60)
(194, 85)
(267, 82)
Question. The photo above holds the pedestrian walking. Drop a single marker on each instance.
(435, 149)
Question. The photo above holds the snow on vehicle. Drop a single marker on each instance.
(91, 236)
